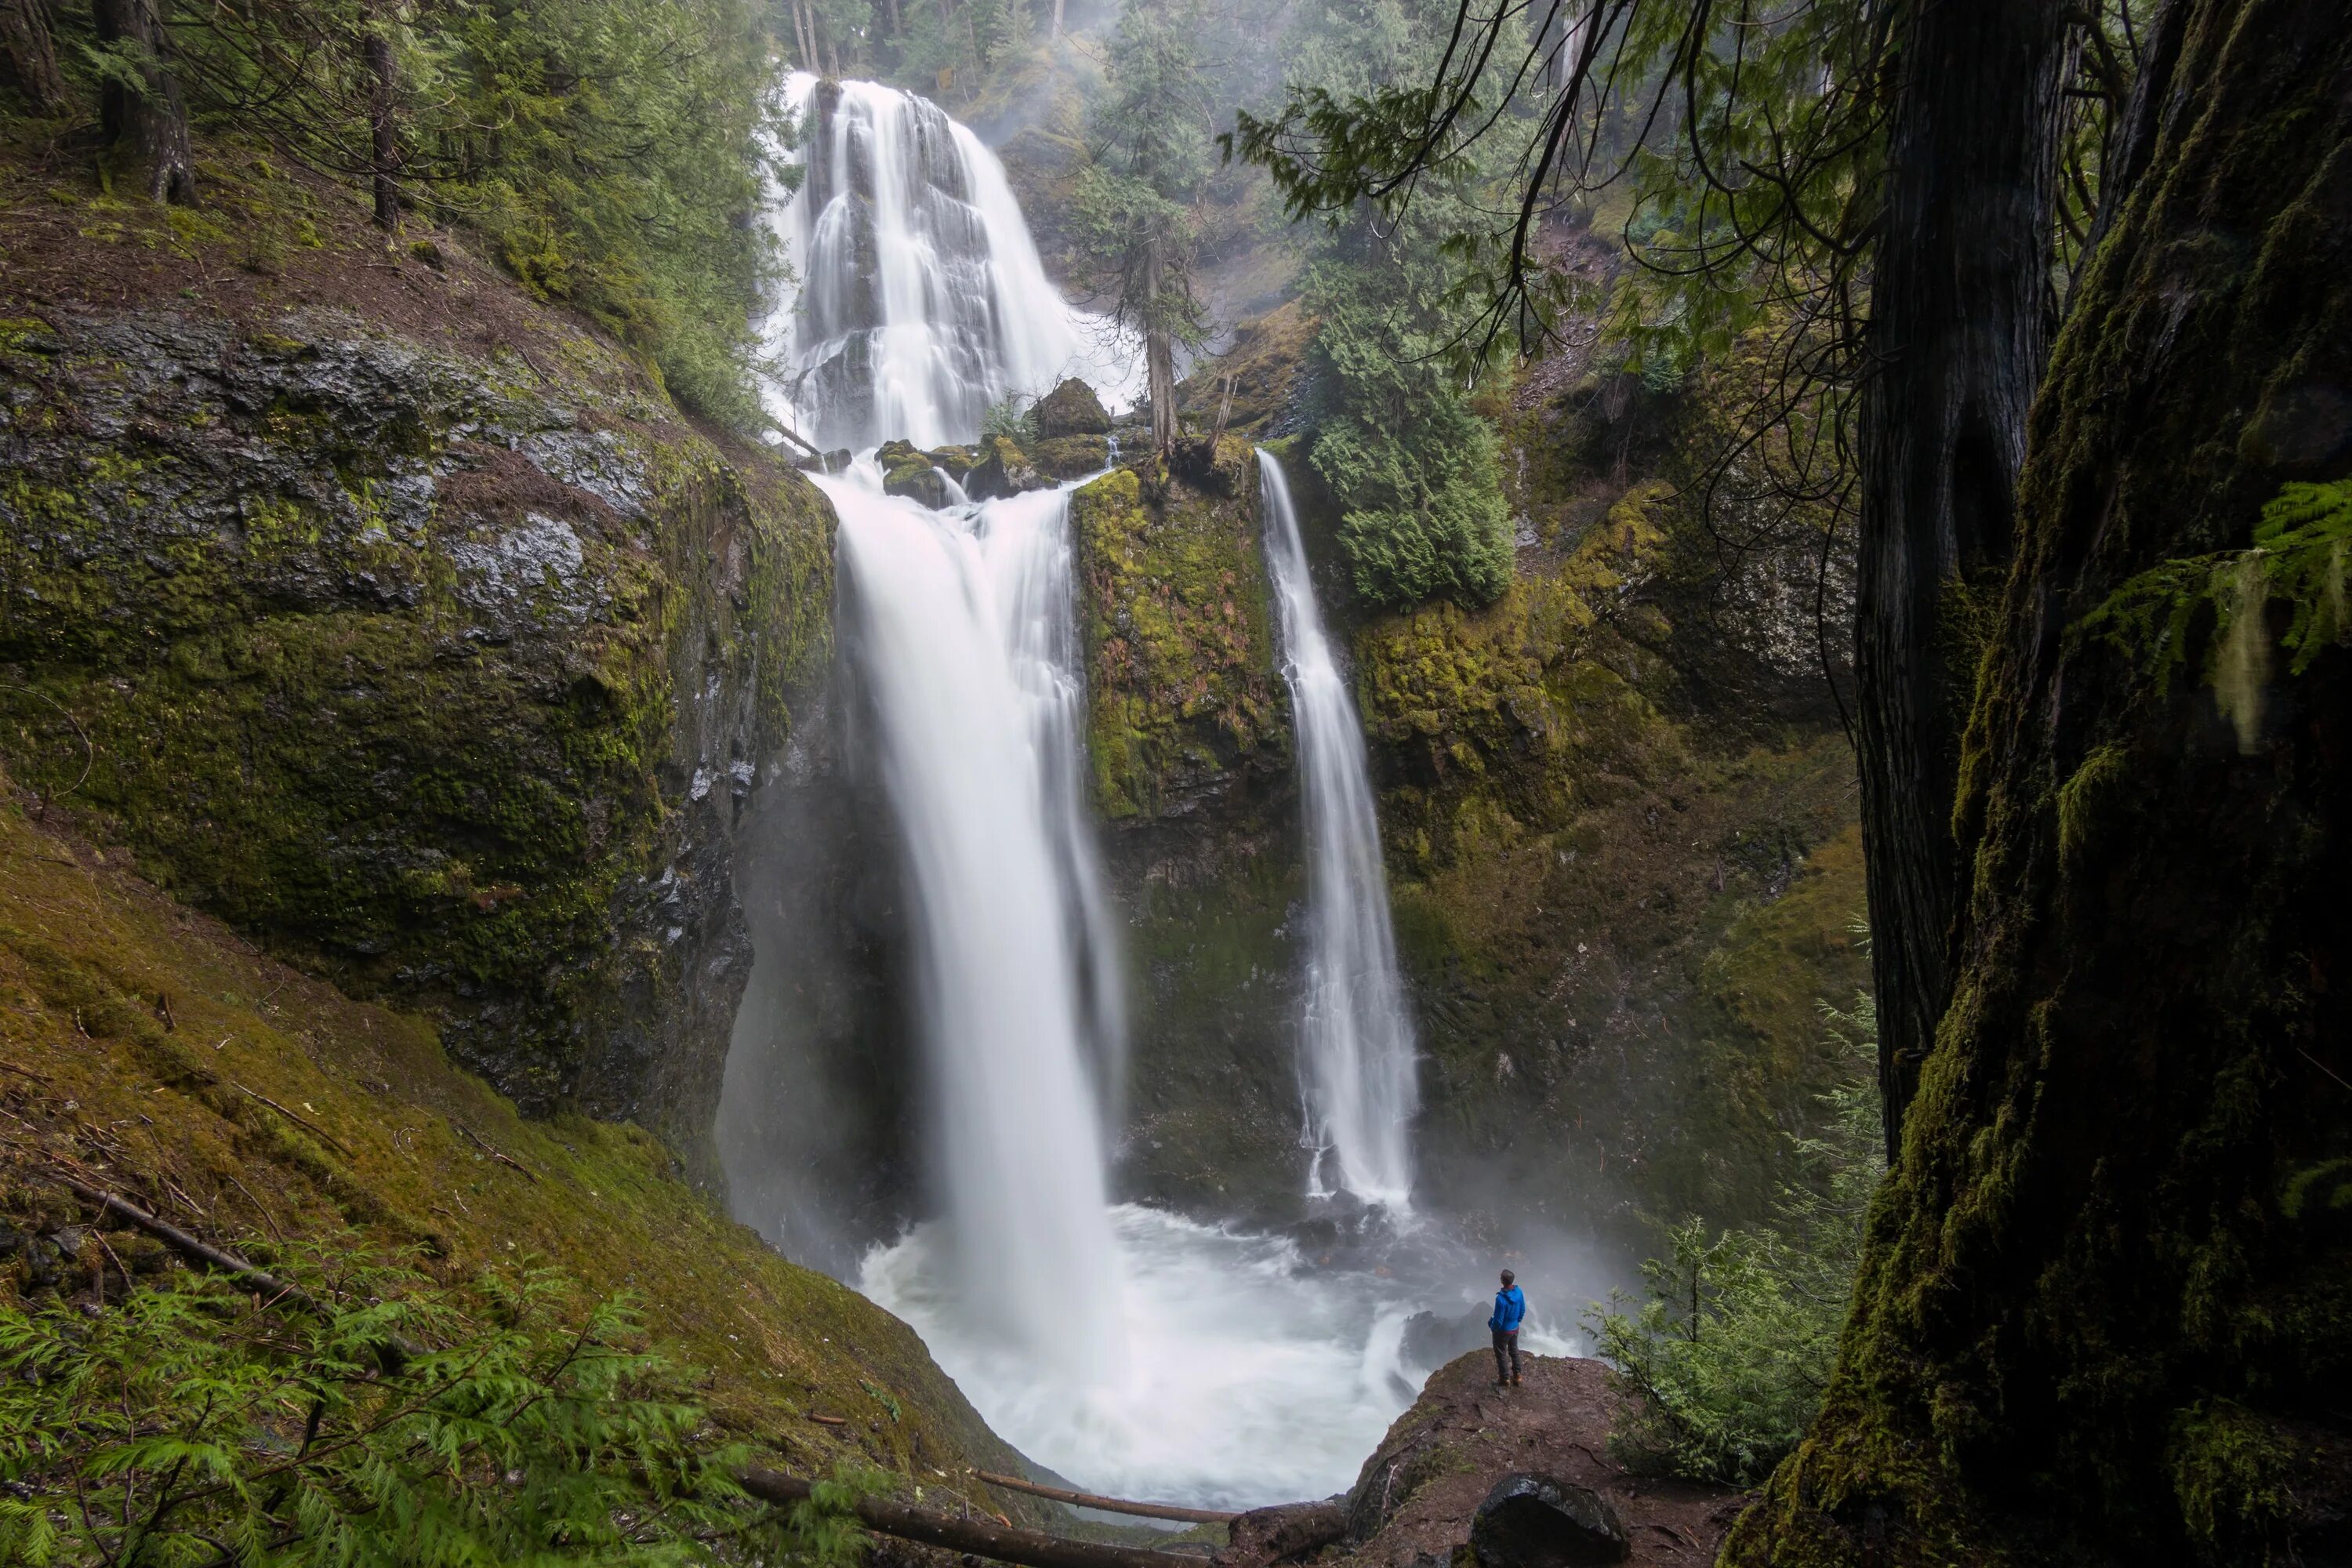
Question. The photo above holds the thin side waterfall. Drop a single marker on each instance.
(1356, 1041)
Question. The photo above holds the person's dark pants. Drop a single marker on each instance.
(1506, 1342)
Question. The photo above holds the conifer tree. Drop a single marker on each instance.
(1151, 155)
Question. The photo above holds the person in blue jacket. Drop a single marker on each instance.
(1510, 1308)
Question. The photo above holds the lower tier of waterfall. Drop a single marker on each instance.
(1254, 1373)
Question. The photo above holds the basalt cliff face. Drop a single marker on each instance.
(429, 646)
(1616, 806)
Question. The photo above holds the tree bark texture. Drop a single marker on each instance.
(146, 132)
(32, 55)
(1159, 352)
(1959, 320)
(384, 121)
(2104, 1312)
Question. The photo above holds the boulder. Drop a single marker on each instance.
(1070, 409)
(1071, 456)
(911, 473)
(1539, 1522)
(918, 482)
(1431, 1340)
(1003, 470)
(956, 462)
(1269, 1535)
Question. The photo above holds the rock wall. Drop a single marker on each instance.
(1617, 811)
(1190, 745)
(443, 676)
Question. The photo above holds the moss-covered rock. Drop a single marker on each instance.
(1174, 605)
(438, 677)
(1003, 469)
(1070, 409)
(1071, 456)
(911, 473)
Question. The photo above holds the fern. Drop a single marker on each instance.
(2299, 554)
(192, 1424)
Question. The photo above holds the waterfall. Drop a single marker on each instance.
(1356, 1044)
(1130, 1348)
(953, 622)
(923, 303)
(922, 299)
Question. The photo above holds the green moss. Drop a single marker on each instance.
(1178, 627)
(282, 681)
(121, 1009)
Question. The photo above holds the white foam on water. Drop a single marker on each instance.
(1248, 1379)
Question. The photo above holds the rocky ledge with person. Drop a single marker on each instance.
(1485, 1478)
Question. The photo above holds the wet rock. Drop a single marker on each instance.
(1003, 470)
(456, 668)
(1071, 456)
(1070, 409)
(1268, 1535)
(1539, 1521)
(1431, 1340)
(956, 462)
(918, 482)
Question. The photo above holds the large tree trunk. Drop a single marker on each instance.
(384, 121)
(1959, 319)
(2105, 1308)
(32, 53)
(146, 132)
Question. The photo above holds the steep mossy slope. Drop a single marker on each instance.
(400, 622)
(1191, 747)
(156, 1053)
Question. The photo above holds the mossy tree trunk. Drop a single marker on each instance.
(2105, 1309)
(1960, 300)
(32, 55)
(146, 126)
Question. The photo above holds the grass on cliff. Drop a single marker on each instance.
(149, 1051)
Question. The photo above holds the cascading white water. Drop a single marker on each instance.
(951, 623)
(1356, 1044)
(1128, 1349)
(922, 299)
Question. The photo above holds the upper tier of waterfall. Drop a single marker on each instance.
(1356, 1042)
(922, 302)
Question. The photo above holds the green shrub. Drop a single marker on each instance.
(1729, 1353)
(1014, 418)
(191, 1423)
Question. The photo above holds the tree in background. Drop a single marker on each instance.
(607, 152)
(1415, 471)
(143, 113)
(1151, 156)
(32, 56)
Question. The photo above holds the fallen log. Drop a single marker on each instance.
(1028, 1548)
(1108, 1504)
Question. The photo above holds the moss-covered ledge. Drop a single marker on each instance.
(441, 676)
(1183, 695)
